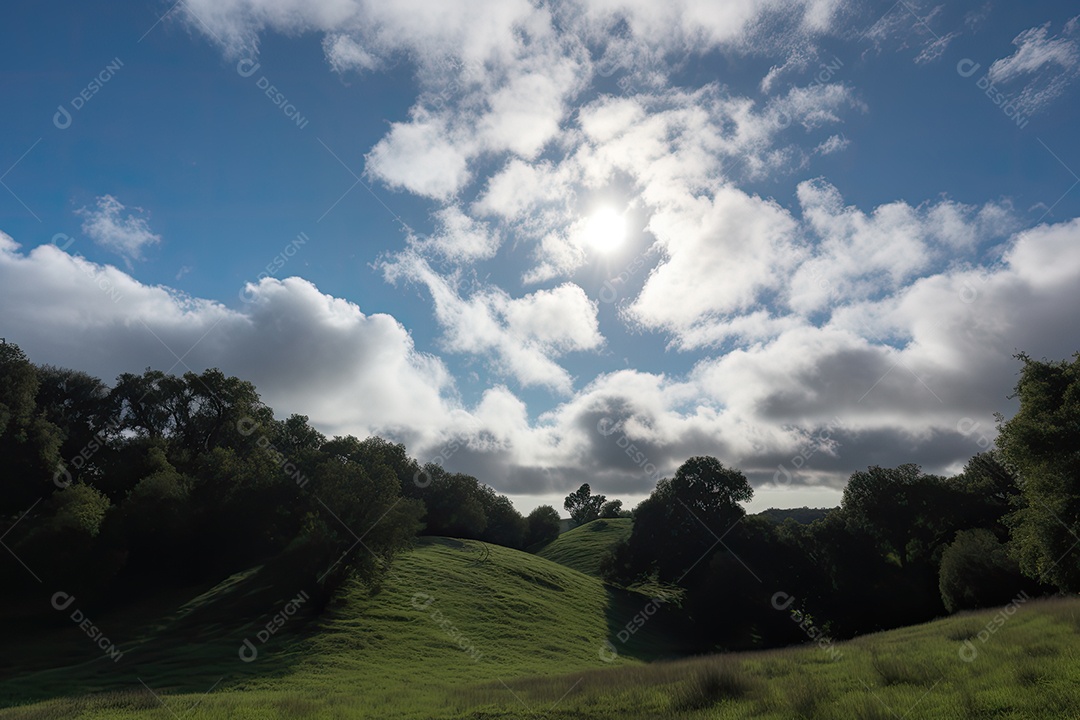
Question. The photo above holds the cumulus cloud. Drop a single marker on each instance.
(108, 226)
(367, 376)
(857, 256)
(419, 157)
(522, 336)
(850, 336)
(459, 239)
(917, 372)
(722, 253)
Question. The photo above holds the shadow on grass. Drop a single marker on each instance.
(186, 640)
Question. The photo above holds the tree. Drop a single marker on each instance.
(543, 526)
(18, 387)
(988, 492)
(611, 509)
(505, 525)
(454, 504)
(1041, 445)
(902, 509)
(977, 572)
(346, 503)
(29, 443)
(680, 522)
(582, 505)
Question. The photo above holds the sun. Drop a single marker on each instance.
(605, 230)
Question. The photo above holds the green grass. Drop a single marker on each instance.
(584, 547)
(449, 614)
(532, 632)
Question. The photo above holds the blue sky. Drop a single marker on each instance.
(836, 233)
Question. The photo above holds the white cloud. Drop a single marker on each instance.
(722, 253)
(126, 236)
(1047, 63)
(419, 157)
(344, 53)
(859, 256)
(835, 143)
(866, 316)
(521, 337)
(459, 239)
(1047, 255)
(893, 377)
(367, 376)
(496, 76)
(934, 50)
(1034, 49)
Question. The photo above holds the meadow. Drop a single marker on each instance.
(463, 629)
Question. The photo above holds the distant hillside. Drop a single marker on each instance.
(803, 515)
(584, 547)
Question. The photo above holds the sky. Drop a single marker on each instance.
(548, 243)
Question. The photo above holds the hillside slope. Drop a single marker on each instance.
(449, 614)
(584, 547)
(460, 630)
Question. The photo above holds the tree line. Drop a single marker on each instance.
(164, 480)
(904, 546)
(167, 480)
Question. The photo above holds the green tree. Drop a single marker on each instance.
(905, 511)
(356, 521)
(582, 505)
(681, 522)
(612, 509)
(543, 526)
(1041, 444)
(79, 509)
(453, 502)
(505, 525)
(29, 443)
(977, 572)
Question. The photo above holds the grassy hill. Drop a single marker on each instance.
(448, 615)
(1016, 662)
(459, 629)
(583, 547)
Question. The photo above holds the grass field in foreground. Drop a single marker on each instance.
(584, 547)
(531, 630)
(449, 614)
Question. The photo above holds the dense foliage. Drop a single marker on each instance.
(163, 480)
(903, 547)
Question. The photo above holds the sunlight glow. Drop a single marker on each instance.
(605, 230)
